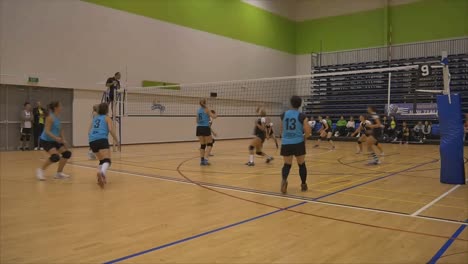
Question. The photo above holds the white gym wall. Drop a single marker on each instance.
(74, 44)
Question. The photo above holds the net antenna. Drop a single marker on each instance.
(446, 76)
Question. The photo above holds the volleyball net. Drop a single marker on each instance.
(229, 98)
(332, 93)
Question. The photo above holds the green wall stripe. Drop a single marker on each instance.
(172, 86)
(429, 20)
(229, 18)
(363, 29)
(419, 21)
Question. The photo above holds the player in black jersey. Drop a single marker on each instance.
(363, 128)
(325, 133)
(260, 133)
(373, 133)
(91, 155)
(213, 133)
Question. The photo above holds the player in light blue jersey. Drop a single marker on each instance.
(98, 135)
(53, 141)
(204, 115)
(295, 130)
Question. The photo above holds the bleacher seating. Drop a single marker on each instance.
(350, 95)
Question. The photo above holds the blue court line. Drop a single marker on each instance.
(447, 244)
(256, 191)
(202, 234)
(373, 180)
(255, 218)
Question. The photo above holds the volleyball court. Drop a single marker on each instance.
(400, 197)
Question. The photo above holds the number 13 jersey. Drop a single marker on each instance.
(293, 130)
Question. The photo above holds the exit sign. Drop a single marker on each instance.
(33, 79)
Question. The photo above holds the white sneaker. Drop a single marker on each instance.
(61, 175)
(91, 155)
(41, 148)
(40, 174)
(36, 148)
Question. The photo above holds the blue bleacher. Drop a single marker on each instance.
(349, 95)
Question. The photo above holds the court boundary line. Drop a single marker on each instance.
(447, 244)
(275, 195)
(203, 234)
(284, 209)
(278, 208)
(425, 207)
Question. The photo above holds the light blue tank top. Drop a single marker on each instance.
(203, 118)
(293, 130)
(99, 129)
(55, 129)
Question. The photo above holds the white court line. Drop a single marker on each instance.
(283, 197)
(435, 200)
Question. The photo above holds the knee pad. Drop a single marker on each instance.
(251, 147)
(104, 161)
(66, 154)
(328, 139)
(210, 144)
(202, 146)
(54, 158)
(376, 143)
(259, 153)
(359, 142)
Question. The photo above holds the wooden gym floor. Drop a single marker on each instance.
(160, 206)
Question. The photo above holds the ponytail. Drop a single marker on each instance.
(52, 106)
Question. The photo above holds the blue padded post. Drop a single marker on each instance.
(451, 139)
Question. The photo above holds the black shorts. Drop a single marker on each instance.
(99, 144)
(48, 145)
(327, 131)
(298, 149)
(26, 131)
(203, 131)
(378, 133)
(261, 137)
